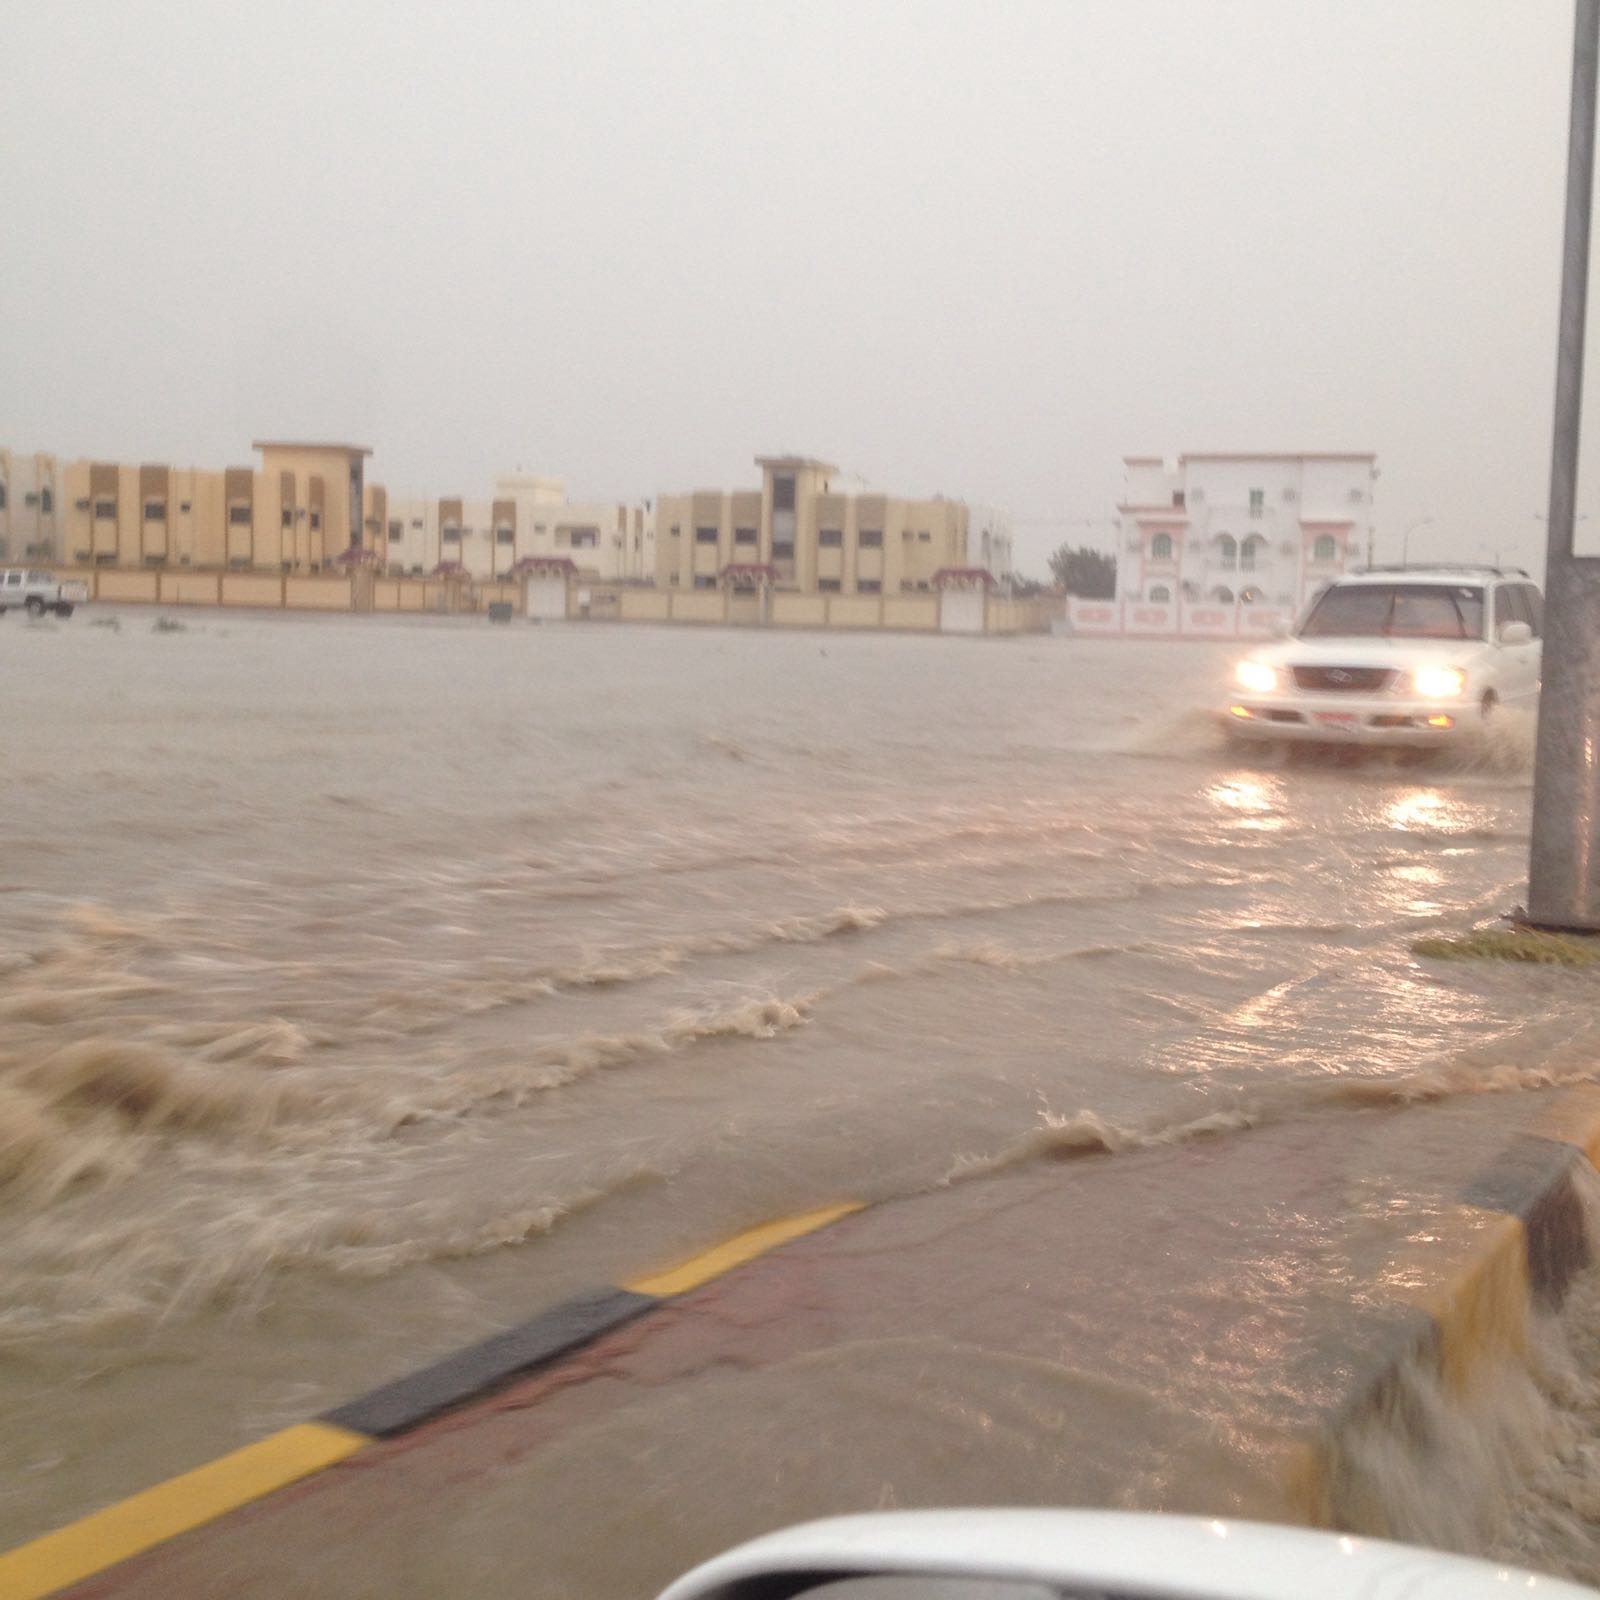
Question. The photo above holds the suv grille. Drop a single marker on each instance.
(1348, 680)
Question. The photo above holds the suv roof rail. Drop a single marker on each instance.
(1447, 566)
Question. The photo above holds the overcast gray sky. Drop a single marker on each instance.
(980, 248)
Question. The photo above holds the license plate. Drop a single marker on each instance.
(1336, 719)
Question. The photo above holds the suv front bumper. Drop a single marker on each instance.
(1348, 719)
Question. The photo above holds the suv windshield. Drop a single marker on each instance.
(1397, 610)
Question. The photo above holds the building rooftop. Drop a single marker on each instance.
(312, 444)
(796, 461)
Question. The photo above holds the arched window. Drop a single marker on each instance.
(1227, 550)
(1222, 594)
(1326, 548)
(1250, 597)
(1161, 547)
(1249, 550)
(1160, 594)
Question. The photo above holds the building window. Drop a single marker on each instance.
(287, 519)
(239, 516)
(396, 532)
(924, 537)
(1160, 594)
(1161, 547)
(451, 534)
(827, 586)
(3, 497)
(77, 505)
(783, 492)
(870, 538)
(1257, 502)
(504, 535)
(1227, 551)
(830, 538)
(47, 500)
(705, 580)
(416, 522)
(869, 585)
(184, 508)
(1249, 550)
(1177, 498)
(30, 498)
(1325, 549)
(740, 536)
(783, 549)
(585, 538)
(316, 520)
(155, 511)
(1222, 594)
(705, 535)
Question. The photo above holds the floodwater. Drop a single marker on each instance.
(368, 985)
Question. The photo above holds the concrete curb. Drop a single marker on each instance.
(1464, 1300)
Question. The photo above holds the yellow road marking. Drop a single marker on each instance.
(736, 1251)
(143, 1520)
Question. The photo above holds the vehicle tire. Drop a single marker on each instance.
(34, 606)
(63, 610)
(1489, 704)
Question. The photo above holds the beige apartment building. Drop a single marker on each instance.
(305, 508)
(29, 507)
(529, 519)
(804, 531)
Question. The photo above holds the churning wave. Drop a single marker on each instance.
(1061, 1136)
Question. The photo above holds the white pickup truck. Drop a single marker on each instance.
(36, 592)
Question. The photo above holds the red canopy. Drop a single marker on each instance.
(961, 576)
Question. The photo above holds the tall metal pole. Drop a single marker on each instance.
(1564, 861)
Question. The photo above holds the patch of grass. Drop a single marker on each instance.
(1512, 944)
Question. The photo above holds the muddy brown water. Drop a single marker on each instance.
(366, 985)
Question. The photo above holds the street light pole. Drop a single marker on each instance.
(1405, 538)
(1564, 859)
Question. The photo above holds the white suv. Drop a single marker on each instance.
(1398, 655)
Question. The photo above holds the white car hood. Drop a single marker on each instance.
(1123, 1553)
(1331, 652)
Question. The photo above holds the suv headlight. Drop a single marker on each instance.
(1438, 683)
(1256, 676)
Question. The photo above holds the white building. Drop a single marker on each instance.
(529, 516)
(1232, 543)
(989, 543)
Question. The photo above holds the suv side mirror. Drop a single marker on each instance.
(1515, 633)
